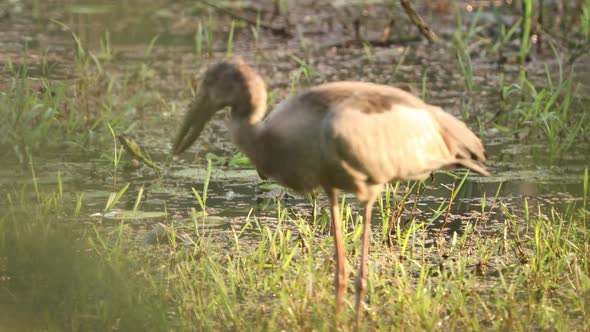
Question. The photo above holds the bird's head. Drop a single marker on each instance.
(231, 83)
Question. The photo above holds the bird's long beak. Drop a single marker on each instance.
(198, 115)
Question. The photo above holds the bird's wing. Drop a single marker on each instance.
(400, 142)
(467, 149)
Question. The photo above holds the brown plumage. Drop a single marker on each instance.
(349, 136)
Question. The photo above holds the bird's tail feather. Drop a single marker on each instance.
(463, 144)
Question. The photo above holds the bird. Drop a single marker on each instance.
(345, 136)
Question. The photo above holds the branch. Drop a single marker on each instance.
(419, 22)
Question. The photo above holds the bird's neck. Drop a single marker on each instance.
(245, 135)
(247, 120)
(250, 103)
(251, 112)
(247, 115)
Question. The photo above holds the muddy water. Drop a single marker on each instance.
(521, 167)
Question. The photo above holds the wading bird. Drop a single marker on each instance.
(343, 136)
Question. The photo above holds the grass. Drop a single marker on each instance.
(202, 198)
(585, 20)
(35, 114)
(61, 277)
(466, 69)
(43, 113)
(305, 72)
(524, 274)
(230, 40)
(555, 110)
(527, 19)
(526, 270)
(464, 41)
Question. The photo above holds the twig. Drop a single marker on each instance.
(395, 217)
(419, 22)
(415, 202)
(448, 211)
(282, 31)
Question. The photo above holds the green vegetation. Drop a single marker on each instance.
(549, 110)
(42, 113)
(526, 271)
(527, 19)
(37, 115)
(62, 277)
(552, 109)
(585, 20)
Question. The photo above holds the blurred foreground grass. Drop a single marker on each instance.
(527, 269)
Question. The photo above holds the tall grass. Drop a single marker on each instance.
(40, 112)
(585, 20)
(466, 69)
(464, 41)
(34, 117)
(61, 277)
(527, 21)
(550, 109)
(230, 40)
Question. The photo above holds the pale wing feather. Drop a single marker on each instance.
(461, 141)
(402, 143)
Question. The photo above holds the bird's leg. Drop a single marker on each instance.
(340, 277)
(361, 281)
